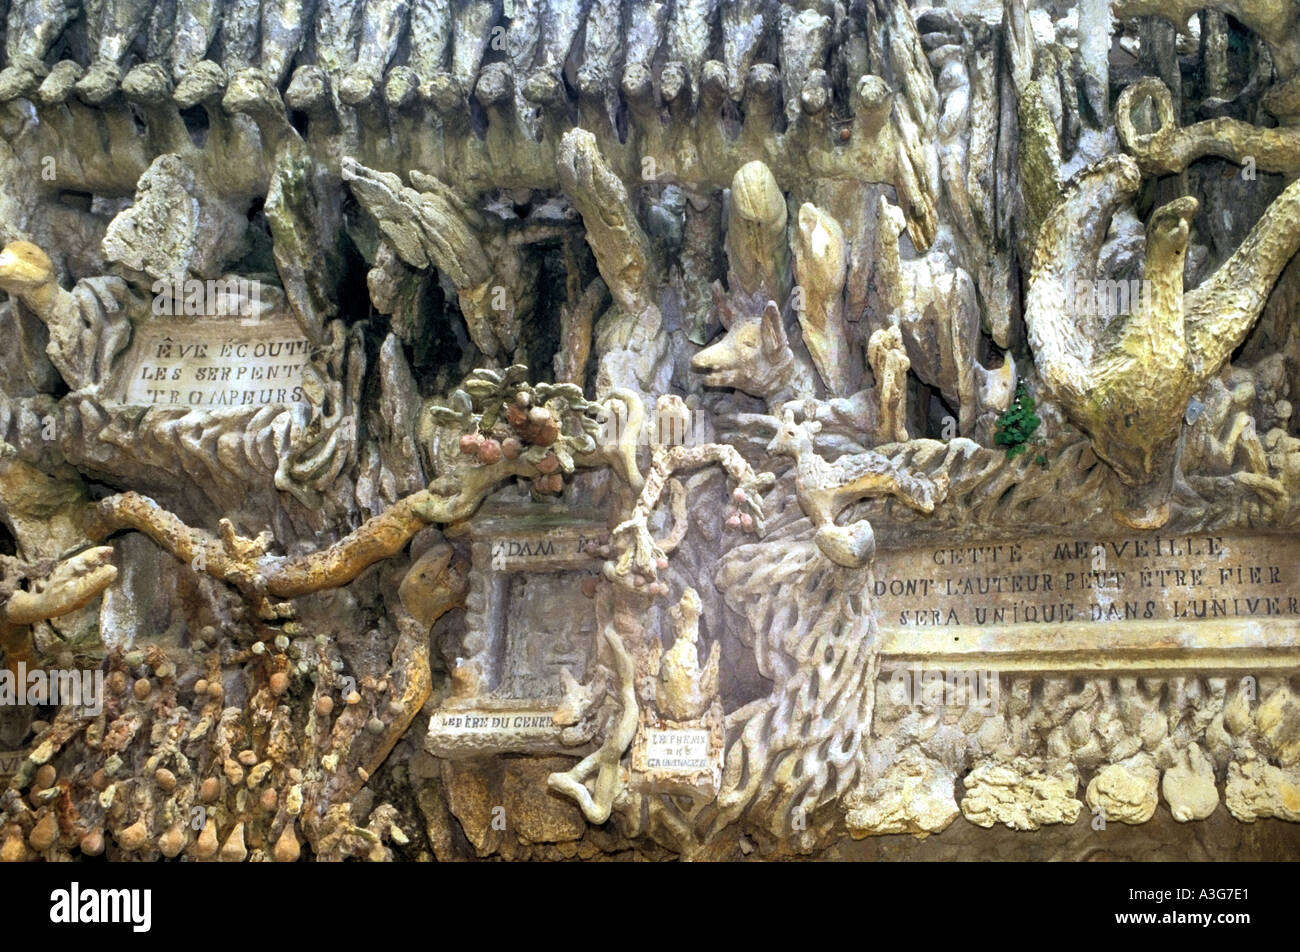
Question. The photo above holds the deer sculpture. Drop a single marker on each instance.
(824, 489)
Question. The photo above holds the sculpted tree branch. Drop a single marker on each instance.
(57, 588)
(1277, 22)
(1129, 388)
(62, 587)
(1269, 18)
(243, 563)
(641, 558)
(513, 429)
(604, 762)
(75, 347)
(1169, 148)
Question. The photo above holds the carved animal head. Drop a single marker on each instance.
(1168, 233)
(24, 267)
(793, 438)
(577, 700)
(753, 354)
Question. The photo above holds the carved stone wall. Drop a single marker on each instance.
(582, 428)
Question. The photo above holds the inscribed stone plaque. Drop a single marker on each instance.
(461, 723)
(1057, 580)
(487, 725)
(678, 750)
(678, 756)
(208, 364)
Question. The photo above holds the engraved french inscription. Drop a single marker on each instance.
(678, 750)
(1062, 580)
(206, 364)
(461, 723)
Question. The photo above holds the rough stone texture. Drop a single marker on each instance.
(1189, 787)
(1258, 789)
(915, 795)
(657, 430)
(1022, 794)
(1278, 721)
(550, 819)
(1125, 793)
(174, 227)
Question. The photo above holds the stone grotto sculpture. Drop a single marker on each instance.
(582, 428)
(1129, 395)
(824, 489)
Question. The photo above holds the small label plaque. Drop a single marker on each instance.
(494, 725)
(558, 548)
(520, 724)
(683, 751)
(671, 756)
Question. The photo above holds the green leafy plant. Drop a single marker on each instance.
(1017, 425)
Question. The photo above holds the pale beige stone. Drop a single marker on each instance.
(1170, 346)
(1257, 789)
(1023, 794)
(1278, 720)
(685, 687)
(1236, 713)
(415, 541)
(915, 795)
(1188, 786)
(1125, 792)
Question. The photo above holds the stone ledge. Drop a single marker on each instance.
(1241, 646)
